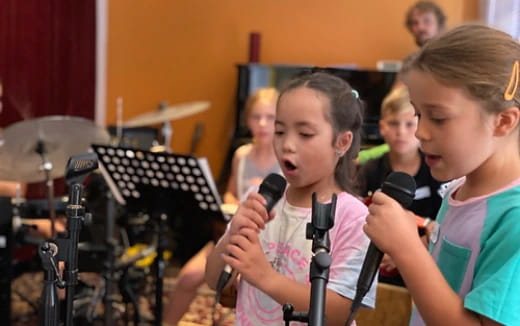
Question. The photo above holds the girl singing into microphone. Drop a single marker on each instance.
(317, 136)
(464, 87)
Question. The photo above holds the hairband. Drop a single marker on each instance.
(355, 93)
(510, 92)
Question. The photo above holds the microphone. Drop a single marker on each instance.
(400, 187)
(272, 189)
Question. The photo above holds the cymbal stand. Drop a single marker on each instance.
(159, 267)
(109, 265)
(46, 167)
(167, 130)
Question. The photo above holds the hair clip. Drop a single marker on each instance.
(355, 93)
(510, 92)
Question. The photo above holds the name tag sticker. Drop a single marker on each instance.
(422, 192)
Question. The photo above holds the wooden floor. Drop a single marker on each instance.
(393, 305)
(393, 308)
(27, 289)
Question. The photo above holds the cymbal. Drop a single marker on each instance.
(61, 137)
(168, 113)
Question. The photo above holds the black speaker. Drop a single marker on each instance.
(6, 250)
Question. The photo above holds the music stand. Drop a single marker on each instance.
(163, 185)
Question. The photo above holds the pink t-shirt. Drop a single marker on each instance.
(290, 253)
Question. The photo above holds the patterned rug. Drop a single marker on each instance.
(27, 289)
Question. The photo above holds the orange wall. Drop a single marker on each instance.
(186, 50)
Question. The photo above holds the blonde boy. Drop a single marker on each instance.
(397, 126)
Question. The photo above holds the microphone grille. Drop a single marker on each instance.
(401, 187)
(274, 184)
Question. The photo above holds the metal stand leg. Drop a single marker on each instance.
(109, 265)
(159, 269)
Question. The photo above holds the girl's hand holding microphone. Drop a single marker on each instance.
(389, 225)
(251, 214)
(246, 256)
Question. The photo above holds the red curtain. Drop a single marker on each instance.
(47, 60)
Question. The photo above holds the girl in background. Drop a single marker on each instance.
(254, 161)
(251, 163)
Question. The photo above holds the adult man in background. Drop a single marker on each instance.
(424, 20)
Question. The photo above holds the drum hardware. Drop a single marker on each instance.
(136, 253)
(46, 167)
(6, 241)
(167, 130)
(134, 137)
(167, 113)
(60, 137)
(38, 150)
(164, 115)
(196, 137)
(38, 208)
(117, 268)
(159, 184)
(109, 265)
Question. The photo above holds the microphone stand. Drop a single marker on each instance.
(317, 230)
(66, 247)
(75, 218)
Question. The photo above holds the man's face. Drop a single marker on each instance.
(423, 26)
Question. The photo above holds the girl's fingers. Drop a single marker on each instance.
(251, 236)
(240, 241)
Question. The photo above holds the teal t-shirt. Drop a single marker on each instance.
(477, 248)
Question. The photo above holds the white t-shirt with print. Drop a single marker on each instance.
(290, 253)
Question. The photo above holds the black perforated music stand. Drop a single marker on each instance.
(163, 185)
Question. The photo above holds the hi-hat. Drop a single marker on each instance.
(168, 113)
(59, 136)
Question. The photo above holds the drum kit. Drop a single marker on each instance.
(38, 150)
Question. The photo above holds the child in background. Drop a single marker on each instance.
(251, 163)
(397, 126)
(317, 137)
(464, 87)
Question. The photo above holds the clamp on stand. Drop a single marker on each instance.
(66, 248)
(49, 303)
(317, 230)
